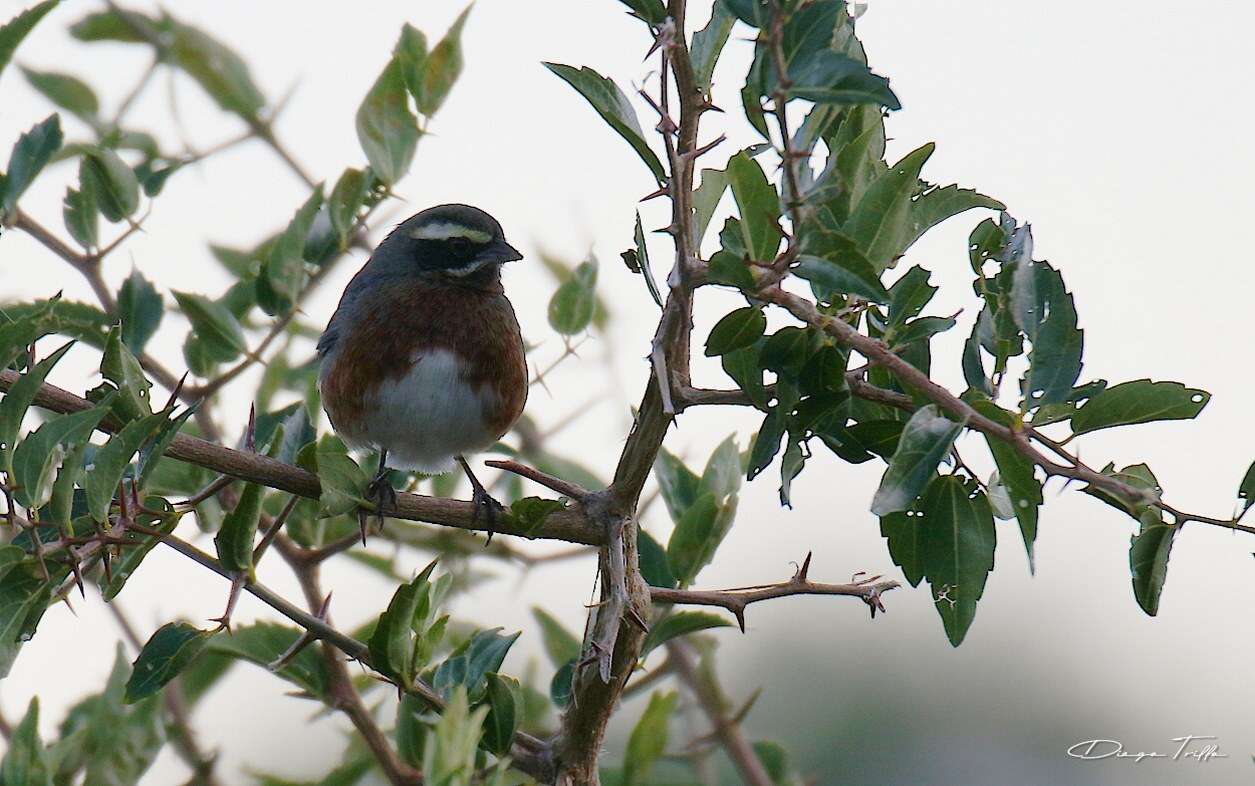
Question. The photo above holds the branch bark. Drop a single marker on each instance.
(571, 525)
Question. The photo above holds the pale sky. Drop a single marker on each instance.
(1121, 131)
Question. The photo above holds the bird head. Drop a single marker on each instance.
(456, 240)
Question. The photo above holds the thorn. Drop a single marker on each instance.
(78, 573)
(224, 622)
(250, 434)
(805, 569)
(739, 613)
(636, 620)
(706, 148)
(174, 394)
(661, 192)
(739, 716)
(363, 523)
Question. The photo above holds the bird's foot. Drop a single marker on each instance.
(381, 494)
(486, 507)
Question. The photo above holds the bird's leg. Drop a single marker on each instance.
(485, 505)
(380, 492)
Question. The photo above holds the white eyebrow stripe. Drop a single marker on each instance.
(443, 230)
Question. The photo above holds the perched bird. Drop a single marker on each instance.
(423, 359)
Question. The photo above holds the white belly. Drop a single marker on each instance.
(427, 417)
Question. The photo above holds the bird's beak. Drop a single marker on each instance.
(501, 252)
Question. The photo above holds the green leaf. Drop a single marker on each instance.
(31, 153)
(680, 623)
(112, 183)
(468, 665)
(925, 440)
(560, 644)
(736, 330)
(1148, 559)
(560, 685)
(786, 351)
(285, 265)
(124, 566)
(730, 270)
(218, 70)
(921, 329)
(343, 481)
(1246, 490)
(81, 217)
(386, 128)
(111, 461)
(706, 198)
(1018, 475)
(212, 322)
(847, 274)
(121, 368)
(1141, 401)
(263, 643)
(759, 205)
(767, 442)
(346, 202)
(1043, 309)
(678, 484)
(18, 399)
(452, 747)
(648, 740)
(442, 67)
(26, 762)
(39, 456)
(1137, 476)
(110, 26)
(902, 532)
(68, 92)
(505, 705)
(742, 366)
(957, 541)
(775, 760)
(411, 51)
(880, 222)
(828, 77)
(170, 650)
(411, 730)
(708, 43)
(722, 475)
(697, 536)
(392, 642)
(141, 309)
(650, 11)
(234, 541)
(909, 295)
(937, 204)
(11, 34)
(118, 743)
(610, 102)
(530, 513)
(571, 307)
(24, 596)
(653, 561)
(642, 261)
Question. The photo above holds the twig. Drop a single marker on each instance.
(735, 600)
(564, 487)
(726, 730)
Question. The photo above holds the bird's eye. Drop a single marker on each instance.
(459, 243)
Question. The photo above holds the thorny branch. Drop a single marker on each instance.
(736, 600)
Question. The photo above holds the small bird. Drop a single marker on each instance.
(423, 359)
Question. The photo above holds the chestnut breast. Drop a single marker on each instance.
(397, 321)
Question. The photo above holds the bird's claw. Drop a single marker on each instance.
(383, 496)
(487, 508)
